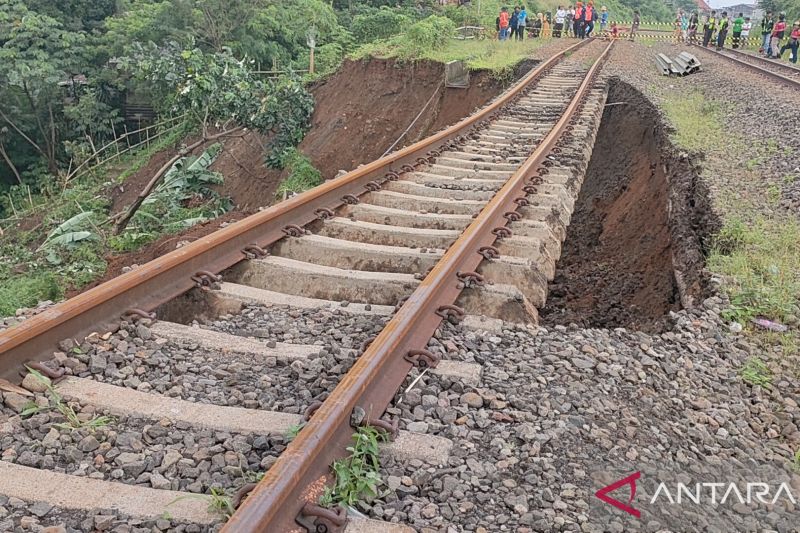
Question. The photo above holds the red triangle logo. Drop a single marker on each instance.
(630, 480)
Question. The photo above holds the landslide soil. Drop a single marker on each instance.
(634, 247)
(360, 112)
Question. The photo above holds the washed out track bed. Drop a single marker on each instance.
(471, 233)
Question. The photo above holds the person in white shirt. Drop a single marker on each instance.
(561, 17)
(746, 27)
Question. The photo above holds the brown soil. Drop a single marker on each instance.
(360, 111)
(640, 217)
(366, 106)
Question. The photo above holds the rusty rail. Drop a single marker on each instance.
(763, 70)
(169, 276)
(301, 473)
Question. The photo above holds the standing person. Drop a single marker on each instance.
(603, 19)
(561, 17)
(694, 22)
(722, 34)
(684, 26)
(746, 27)
(569, 22)
(738, 23)
(546, 25)
(589, 16)
(793, 44)
(513, 23)
(502, 23)
(778, 33)
(578, 23)
(637, 19)
(522, 21)
(677, 25)
(709, 28)
(767, 24)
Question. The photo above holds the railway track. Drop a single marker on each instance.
(464, 226)
(773, 69)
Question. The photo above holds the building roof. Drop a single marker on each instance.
(702, 5)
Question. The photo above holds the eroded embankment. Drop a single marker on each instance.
(359, 112)
(635, 246)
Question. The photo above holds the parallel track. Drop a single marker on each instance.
(473, 216)
(774, 69)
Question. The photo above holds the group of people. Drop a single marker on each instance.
(773, 32)
(512, 25)
(573, 21)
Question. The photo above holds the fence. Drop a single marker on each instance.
(122, 145)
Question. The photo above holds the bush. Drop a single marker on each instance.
(427, 34)
(378, 24)
(302, 174)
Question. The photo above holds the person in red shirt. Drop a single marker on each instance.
(793, 44)
(589, 15)
(578, 24)
(778, 33)
(504, 19)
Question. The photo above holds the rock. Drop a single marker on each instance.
(54, 529)
(88, 444)
(472, 399)
(103, 522)
(15, 401)
(51, 438)
(97, 364)
(34, 383)
(40, 508)
(417, 427)
(157, 481)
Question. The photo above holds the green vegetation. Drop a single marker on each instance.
(698, 122)
(293, 431)
(221, 503)
(755, 372)
(358, 474)
(757, 250)
(761, 262)
(302, 175)
(57, 402)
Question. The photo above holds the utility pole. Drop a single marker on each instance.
(311, 40)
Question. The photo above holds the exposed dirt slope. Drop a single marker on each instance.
(634, 248)
(360, 111)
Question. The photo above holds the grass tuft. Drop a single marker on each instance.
(357, 475)
(755, 372)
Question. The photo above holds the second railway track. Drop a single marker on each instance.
(772, 68)
(323, 325)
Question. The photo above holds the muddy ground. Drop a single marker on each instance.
(635, 246)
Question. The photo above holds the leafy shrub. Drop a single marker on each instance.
(27, 291)
(427, 34)
(302, 174)
(378, 24)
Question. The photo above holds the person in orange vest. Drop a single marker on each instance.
(578, 24)
(589, 16)
(503, 23)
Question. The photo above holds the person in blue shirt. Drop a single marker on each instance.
(603, 19)
(522, 21)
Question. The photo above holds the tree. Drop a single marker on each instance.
(36, 53)
(219, 91)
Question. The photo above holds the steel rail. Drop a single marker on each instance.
(301, 472)
(169, 276)
(763, 70)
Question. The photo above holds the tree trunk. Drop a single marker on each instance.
(126, 218)
(10, 163)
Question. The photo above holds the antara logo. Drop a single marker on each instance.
(630, 480)
(699, 493)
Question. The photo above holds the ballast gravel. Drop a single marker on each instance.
(134, 357)
(19, 516)
(562, 412)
